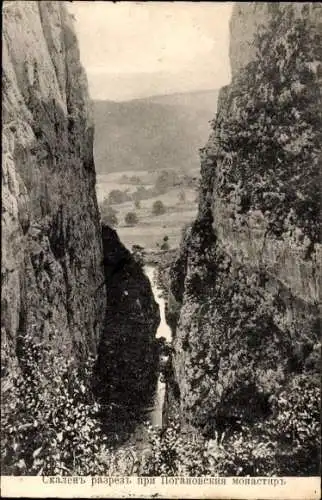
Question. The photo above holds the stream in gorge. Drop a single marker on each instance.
(154, 413)
(135, 426)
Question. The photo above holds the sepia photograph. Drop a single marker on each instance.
(161, 249)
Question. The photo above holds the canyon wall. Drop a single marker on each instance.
(58, 284)
(244, 296)
(52, 261)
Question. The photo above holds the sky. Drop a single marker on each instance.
(138, 49)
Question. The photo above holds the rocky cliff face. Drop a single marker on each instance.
(54, 272)
(52, 269)
(245, 287)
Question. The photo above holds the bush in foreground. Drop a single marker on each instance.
(287, 443)
(49, 418)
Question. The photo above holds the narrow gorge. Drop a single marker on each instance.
(80, 312)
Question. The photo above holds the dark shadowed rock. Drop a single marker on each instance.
(127, 350)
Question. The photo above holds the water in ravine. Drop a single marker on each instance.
(154, 414)
(133, 429)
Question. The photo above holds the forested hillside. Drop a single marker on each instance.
(153, 133)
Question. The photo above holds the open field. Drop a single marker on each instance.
(150, 229)
(107, 182)
(148, 234)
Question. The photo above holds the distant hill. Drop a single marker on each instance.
(152, 133)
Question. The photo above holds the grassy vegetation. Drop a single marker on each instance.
(150, 229)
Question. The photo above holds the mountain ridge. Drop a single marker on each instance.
(157, 96)
(156, 132)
